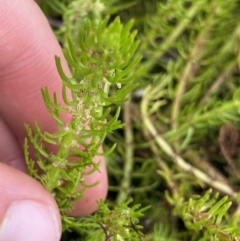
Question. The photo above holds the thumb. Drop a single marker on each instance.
(27, 211)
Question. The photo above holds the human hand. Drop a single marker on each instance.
(27, 49)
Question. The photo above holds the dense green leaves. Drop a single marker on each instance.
(104, 66)
(207, 213)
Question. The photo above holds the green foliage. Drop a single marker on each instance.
(74, 14)
(102, 76)
(207, 213)
(181, 134)
(121, 223)
(118, 223)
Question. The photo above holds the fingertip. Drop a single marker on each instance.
(27, 220)
(27, 210)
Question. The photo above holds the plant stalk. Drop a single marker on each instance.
(222, 187)
(128, 164)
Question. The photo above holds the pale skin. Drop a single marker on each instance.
(27, 50)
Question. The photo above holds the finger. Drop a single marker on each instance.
(88, 202)
(27, 52)
(27, 49)
(11, 152)
(25, 214)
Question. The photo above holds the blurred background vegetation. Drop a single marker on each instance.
(181, 135)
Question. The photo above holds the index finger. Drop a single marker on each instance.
(27, 52)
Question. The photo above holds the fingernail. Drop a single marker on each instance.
(28, 220)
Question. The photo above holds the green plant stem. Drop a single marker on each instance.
(128, 164)
(204, 164)
(189, 71)
(220, 80)
(172, 134)
(222, 187)
(170, 40)
(227, 72)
